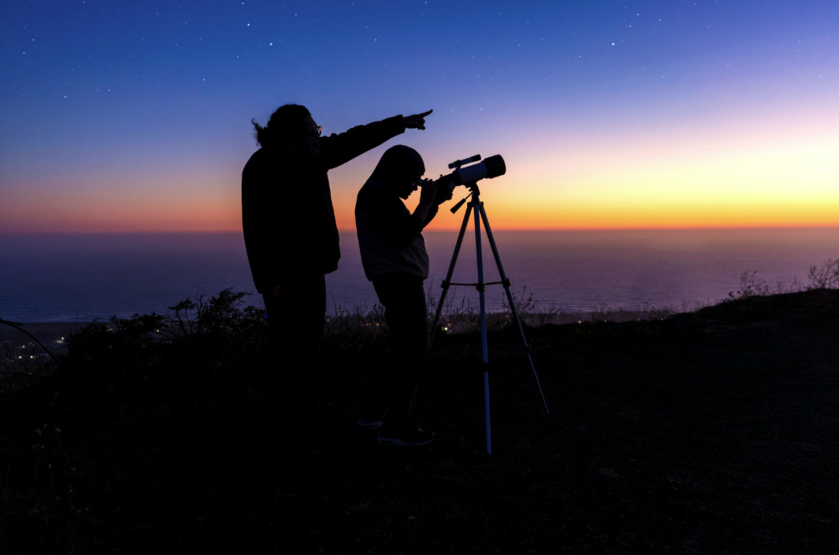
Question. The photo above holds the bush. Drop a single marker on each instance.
(197, 348)
(824, 277)
(467, 318)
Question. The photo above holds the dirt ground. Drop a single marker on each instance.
(709, 432)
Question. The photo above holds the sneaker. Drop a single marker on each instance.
(367, 422)
(404, 435)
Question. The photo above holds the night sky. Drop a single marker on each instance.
(119, 116)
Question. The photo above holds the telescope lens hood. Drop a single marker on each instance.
(495, 166)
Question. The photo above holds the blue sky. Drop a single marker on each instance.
(135, 116)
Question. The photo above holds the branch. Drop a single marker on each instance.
(17, 327)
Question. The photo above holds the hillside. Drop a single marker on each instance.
(712, 431)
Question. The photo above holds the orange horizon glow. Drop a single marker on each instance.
(745, 174)
(719, 115)
(503, 216)
(220, 220)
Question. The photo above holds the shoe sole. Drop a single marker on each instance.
(369, 427)
(389, 442)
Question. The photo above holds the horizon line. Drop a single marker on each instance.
(453, 230)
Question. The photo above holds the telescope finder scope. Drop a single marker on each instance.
(457, 163)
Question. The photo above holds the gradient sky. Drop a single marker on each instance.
(120, 116)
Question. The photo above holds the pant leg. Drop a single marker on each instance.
(296, 310)
(405, 312)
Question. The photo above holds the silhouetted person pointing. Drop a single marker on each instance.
(292, 239)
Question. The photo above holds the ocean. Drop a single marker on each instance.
(78, 278)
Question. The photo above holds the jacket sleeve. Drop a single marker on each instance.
(339, 149)
(431, 213)
(389, 216)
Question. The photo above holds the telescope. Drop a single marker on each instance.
(470, 175)
(467, 175)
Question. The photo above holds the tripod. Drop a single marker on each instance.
(478, 207)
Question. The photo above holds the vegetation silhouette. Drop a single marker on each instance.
(706, 431)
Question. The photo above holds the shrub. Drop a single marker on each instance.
(824, 277)
(197, 347)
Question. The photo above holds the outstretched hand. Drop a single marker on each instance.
(417, 121)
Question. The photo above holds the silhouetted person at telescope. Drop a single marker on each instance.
(395, 260)
(292, 239)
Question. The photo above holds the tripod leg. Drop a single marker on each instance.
(510, 300)
(448, 279)
(485, 352)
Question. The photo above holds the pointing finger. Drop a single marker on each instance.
(426, 113)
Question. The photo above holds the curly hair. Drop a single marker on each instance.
(284, 122)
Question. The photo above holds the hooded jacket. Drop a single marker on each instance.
(389, 236)
(287, 214)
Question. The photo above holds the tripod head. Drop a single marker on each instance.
(473, 192)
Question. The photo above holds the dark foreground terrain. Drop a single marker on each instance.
(709, 432)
